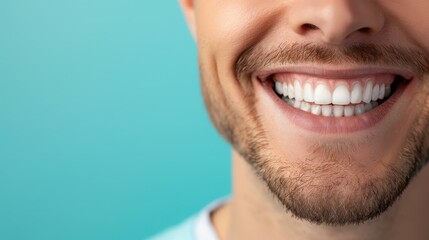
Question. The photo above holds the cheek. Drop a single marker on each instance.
(225, 29)
(412, 18)
(222, 27)
(228, 27)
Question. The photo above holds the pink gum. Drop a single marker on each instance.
(379, 79)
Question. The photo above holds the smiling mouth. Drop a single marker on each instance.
(333, 101)
(335, 97)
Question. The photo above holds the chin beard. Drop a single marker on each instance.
(320, 194)
(325, 193)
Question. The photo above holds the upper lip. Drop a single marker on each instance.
(333, 72)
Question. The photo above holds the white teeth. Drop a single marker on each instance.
(278, 87)
(375, 92)
(305, 106)
(387, 91)
(291, 90)
(308, 93)
(356, 94)
(316, 109)
(367, 93)
(286, 99)
(341, 95)
(285, 90)
(322, 95)
(359, 109)
(327, 111)
(298, 91)
(297, 104)
(332, 110)
(367, 107)
(321, 101)
(349, 111)
(382, 91)
(338, 111)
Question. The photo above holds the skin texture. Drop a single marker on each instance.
(292, 183)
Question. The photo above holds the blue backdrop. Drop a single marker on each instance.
(103, 132)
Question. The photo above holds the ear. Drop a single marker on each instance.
(188, 8)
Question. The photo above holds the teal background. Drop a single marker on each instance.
(103, 132)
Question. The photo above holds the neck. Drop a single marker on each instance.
(254, 213)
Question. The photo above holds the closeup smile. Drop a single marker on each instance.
(326, 107)
(334, 98)
(335, 101)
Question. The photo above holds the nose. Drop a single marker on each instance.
(336, 21)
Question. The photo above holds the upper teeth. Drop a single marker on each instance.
(340, 95)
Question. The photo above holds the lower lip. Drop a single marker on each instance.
(335, 125)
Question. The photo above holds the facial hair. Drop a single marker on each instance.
(321, 193)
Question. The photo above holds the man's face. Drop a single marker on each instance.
(327, 100)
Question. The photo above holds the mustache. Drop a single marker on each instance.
(257, 58)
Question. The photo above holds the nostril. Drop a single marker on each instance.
(309, 26)
(365, 30)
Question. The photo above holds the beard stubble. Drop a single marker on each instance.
(315, 189)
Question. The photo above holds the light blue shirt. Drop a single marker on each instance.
(198, 227)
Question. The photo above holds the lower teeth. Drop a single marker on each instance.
(331, 110)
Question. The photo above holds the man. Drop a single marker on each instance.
(326, 106)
